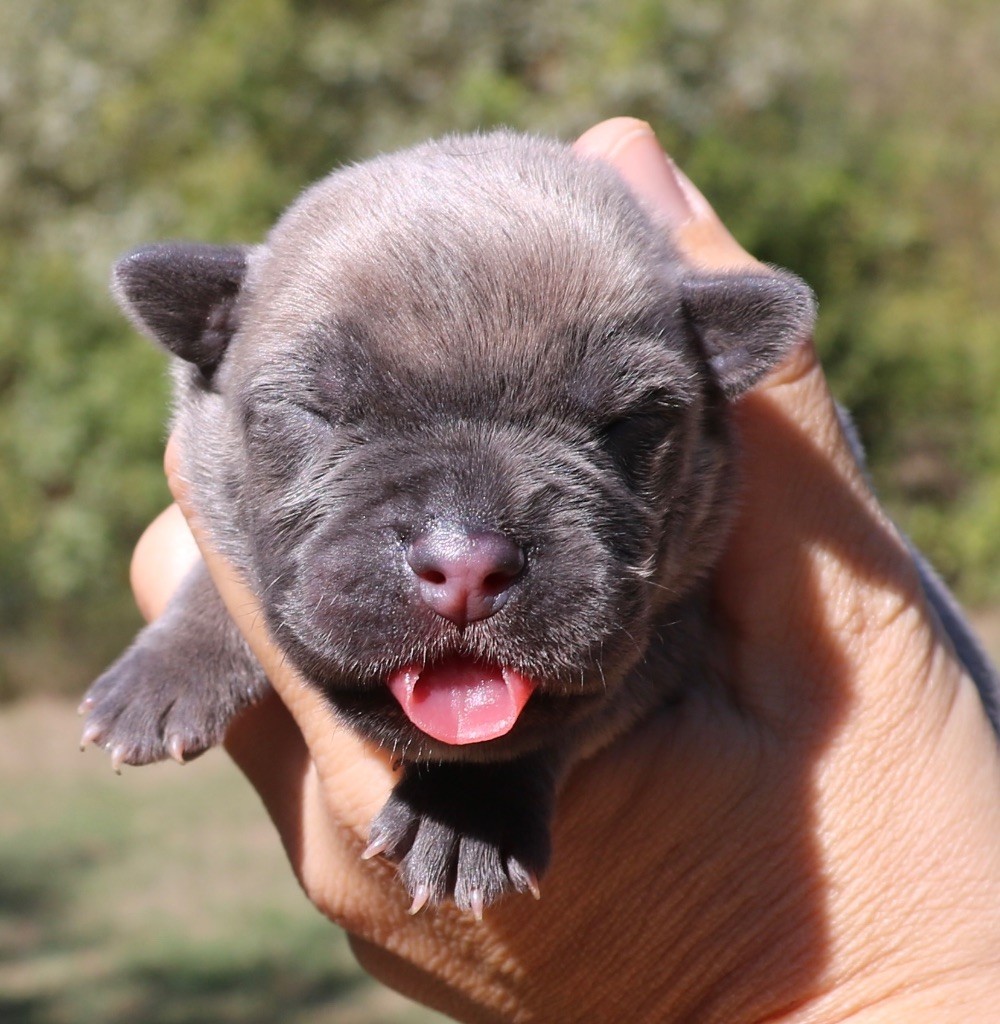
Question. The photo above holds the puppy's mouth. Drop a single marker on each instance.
(461, 700)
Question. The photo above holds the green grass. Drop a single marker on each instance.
(160, 897)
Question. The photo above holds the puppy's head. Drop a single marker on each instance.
(465, 415)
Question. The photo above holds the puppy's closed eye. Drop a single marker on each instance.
(635, 439)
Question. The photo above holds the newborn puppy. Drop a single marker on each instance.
(462, 423)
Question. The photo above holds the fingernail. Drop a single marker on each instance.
(698, 205)
(653, 175)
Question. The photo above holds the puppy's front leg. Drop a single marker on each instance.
(468, 831)
(179, 685)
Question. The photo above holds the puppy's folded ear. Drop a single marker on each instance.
(183, 295)
(747, 322)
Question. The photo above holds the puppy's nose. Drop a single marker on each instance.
(464, 574)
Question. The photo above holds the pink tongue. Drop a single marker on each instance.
(460, 700)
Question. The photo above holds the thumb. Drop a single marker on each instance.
(797, 386)
(630, 146)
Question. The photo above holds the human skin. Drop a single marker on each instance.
(820, 842)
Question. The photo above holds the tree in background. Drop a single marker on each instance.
(854, 143)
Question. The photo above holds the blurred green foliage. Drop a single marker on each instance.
(855, 143)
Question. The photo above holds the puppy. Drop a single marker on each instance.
(462, 422)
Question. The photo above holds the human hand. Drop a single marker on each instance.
(816, 844)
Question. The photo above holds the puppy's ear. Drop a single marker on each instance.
(183, 295)
(747, 322)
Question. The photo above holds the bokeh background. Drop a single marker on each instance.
(855, 142)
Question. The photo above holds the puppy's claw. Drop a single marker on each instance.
(523, 878)
(376, 845)
(476, 904)
(175, 747)
(89, 735)
(421, 895)
(117, 759)
(85, 705)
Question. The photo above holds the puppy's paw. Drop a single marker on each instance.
(174, 692)
(147, 707)
(467, 833)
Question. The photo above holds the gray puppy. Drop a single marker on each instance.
(462, 423)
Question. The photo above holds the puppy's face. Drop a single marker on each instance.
(417, 510)
(473, 426)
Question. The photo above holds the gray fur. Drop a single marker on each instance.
(485, 329)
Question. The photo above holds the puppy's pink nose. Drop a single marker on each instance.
(464, 574)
